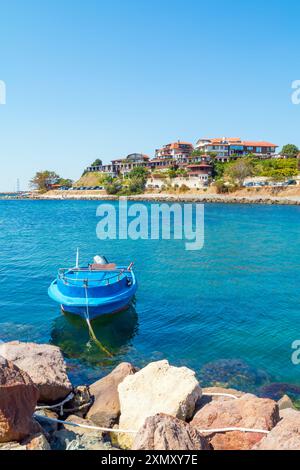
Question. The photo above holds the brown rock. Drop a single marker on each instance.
(211, 393)
(45, 366)
(105, 410)
(37, 442)
(247, 411)
(285, 403)
(78, 430)
(285, 435)
(18, 399)
(164, 432)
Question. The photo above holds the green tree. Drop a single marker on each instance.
(97, 162)
(239, 170)
(65, 182)
(113, 187)
(43, 180)
(138, 172)
(290, 151)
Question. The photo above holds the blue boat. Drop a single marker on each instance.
(97, 289)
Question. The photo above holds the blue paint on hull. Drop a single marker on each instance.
(77, 290)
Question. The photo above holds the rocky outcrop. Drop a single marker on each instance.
(18, 399)
(76, 438)
(164, 432)
(157, 388)
(248, 411)
(45, 366)
(285, 435)
(105, 410)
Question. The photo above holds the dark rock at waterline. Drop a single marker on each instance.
(233, 373)
(275, 391)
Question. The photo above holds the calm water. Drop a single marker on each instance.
(229, 311)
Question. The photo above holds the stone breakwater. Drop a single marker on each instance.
(164, 408)
(251, 198)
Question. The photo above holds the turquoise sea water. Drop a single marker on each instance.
(229, 311)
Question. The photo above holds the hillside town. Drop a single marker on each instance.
(222, 165)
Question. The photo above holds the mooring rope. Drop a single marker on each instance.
(91, 331)
(130, 431)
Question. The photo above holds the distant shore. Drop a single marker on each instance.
(282, 196)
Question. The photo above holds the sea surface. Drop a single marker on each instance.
(230, 311)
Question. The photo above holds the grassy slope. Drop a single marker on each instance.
(89, 179)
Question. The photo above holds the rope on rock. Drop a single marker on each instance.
(57, 405)
(215, 394)
(85, 426)
(91, 331)
(130, 431)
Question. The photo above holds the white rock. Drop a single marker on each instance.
(158, 388)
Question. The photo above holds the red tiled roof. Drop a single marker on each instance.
(249, 143)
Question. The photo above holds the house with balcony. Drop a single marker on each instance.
(121, 166)
(178, 151)
(230, 148)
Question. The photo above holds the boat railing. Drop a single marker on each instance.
(63, 275)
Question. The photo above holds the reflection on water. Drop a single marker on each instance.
(114, 331)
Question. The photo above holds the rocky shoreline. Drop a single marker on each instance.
(206, 198)
(159, 407)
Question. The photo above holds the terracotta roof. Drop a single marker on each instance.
(249, 143)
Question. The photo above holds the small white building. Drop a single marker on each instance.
(192, 182)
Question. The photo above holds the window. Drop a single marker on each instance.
(258, 149)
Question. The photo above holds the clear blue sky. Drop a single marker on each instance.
(94, 78)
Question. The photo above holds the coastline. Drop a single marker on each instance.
(235, 198)
(126, 410)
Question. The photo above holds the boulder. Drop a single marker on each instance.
(81, 401)
(164, 432)
(18, 399)
(157, 388)
(37, 442)
(285, 435)
(45, 366)
(211, 394)
(76, 438)
(12, 446)
(47, 426)
(105, 410)
(285, 403)
(248, 411)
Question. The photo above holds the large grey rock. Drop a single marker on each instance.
(157, 388)
(45, 366)
(248, 411)
(18, 399)
(164, 432)
(77, 438)
(285, 435)
(105, 410)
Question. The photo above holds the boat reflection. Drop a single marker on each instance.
(114, 331)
